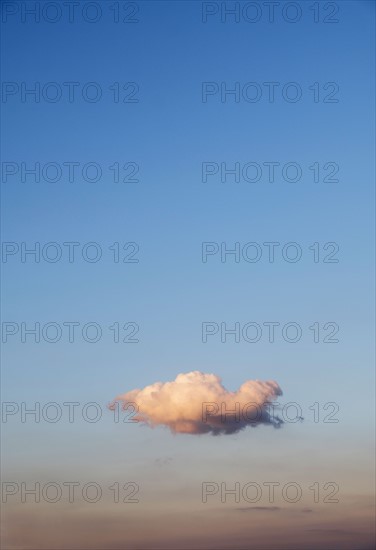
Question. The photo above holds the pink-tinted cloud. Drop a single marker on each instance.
(197, 403)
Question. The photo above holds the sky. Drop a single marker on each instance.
(135, 158)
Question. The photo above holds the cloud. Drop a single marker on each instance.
(332, 531)
(259, 509)
(198, 403)
(271, 509)
(163, 461)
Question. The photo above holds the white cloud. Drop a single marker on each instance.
(197, 403)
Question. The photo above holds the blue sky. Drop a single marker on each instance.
(170, 292)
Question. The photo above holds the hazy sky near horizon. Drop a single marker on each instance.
(171, 299)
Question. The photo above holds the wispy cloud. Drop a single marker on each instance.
(259, 509)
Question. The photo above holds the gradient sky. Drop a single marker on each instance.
(170, 292)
